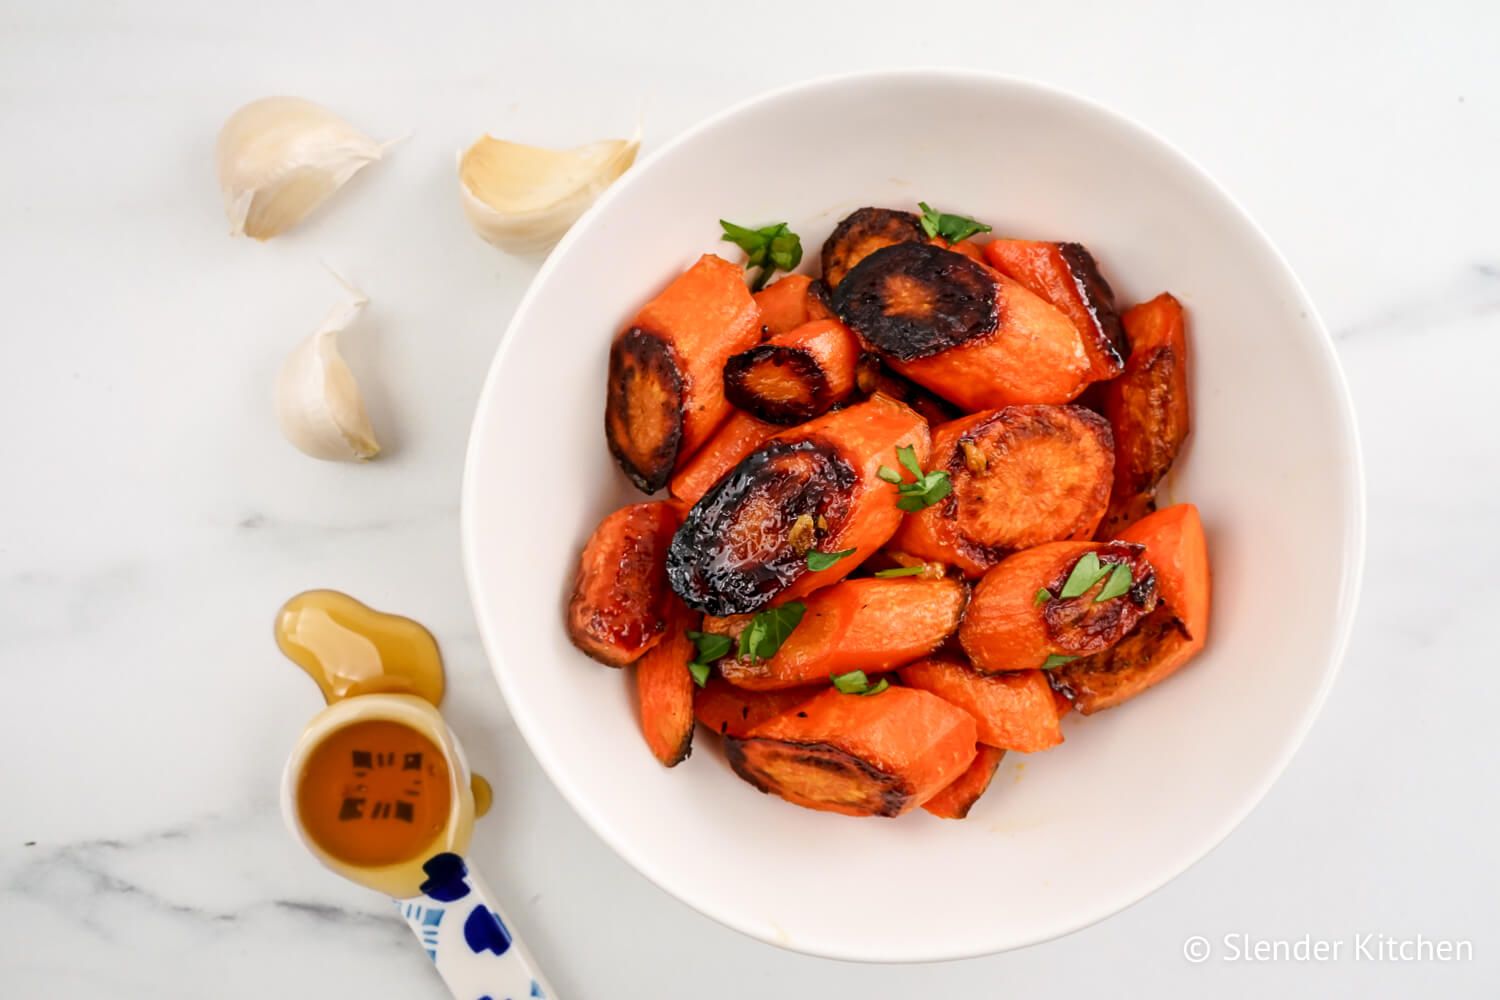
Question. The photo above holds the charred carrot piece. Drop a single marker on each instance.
(1166, 639)
(664, 689)
(1148, 407)
(736, 437)
(816, 485)
(871, 376)
(1014, 711)
(666, 391)
(961, 329)
(1021, 476)
(955, 801)
(620, 595)
(1066, 275)
(861, 233)
(733, 711)
(786, 304)
(796, 375)
(1056, 602)
(880, 755)
(870, 624)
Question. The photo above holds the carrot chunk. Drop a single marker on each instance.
(734, 711)
(736, 437)
(783, 304)
(1021, 476)
(1066, 275)
(796, 375)
(1014, 711)
(955, 801)
(664, 689)
(861, 233)
(666, 391)
(880, 755)
(619, 603)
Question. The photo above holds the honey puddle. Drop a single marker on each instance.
(350, 649)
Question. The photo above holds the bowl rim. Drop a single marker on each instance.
(1353, 485)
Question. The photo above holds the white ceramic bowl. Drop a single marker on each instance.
(1136, 794)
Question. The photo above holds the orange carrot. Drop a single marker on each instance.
(736, 437)
(1021, 476)
(1066, 275)
(796, 375)
(664, 689)
(732, 711)
(1178, 551)
(783, 304)
(1025, 613)
(968, 248)
(619, 603)
(861, 233)
(1014, 711)
(955, 801)
(879, 755)
(816, 485)
(869, 624)
(666, 388)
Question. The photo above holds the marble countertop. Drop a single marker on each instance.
(154, 518)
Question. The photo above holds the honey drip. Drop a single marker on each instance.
(483, 795)
(350, 649)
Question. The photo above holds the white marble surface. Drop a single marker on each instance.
(153, 518)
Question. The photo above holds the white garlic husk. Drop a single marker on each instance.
(318, 402)
(281, 157)
(523, 198)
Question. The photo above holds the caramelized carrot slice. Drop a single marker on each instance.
(963, 330)
(796, 375)
(1019, 618)
(733, 711)
(816, 485)
(619, 603)
(1148, 407)
(1014, 711)
(783, 304)
(1021, 476)
(861, 233)
(955, 801)
(1066, 275)
(861, 756)
(736, 437)
(666, 391)
(870, 624)
(1170, 636)
(664, 689)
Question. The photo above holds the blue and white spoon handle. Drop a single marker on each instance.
(467, 936)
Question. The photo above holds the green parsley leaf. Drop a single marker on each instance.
(1086, 572)
(1043, 596)
(953, 228)
(1057, 660)
(855, 682)
(889, 474)
(699, 672)
(907, 456)
(769, 629)
(1118, 583)
(928, 488)
(817, 561)
(771, 248)
(711, 647)
(902, 571)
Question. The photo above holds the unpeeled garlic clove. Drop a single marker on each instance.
(317, 399)
(281, 157)
(523, 198)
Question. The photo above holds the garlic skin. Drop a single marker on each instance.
(523, 198)
(318, 402)
(281, 157)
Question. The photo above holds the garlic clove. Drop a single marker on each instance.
(281, 157)
(523, 198)
(318, 402)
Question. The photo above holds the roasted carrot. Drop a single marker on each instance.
(783, 304)
(820, 301)
(1021, 476)
(736, 437)
(664, 689)
(1028, 612)
(869, 624)
(879, 755)
(666, 387)
(1014, 711)
(955, 800)
(620, 596)
(968, 248)
(872, 376)
(894, 559)
(1066, 275)
(1148, 407)
(1167, 638)
(733, 711)
(861, 233)
(816, 485)
(962, 329)
(794, 376)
